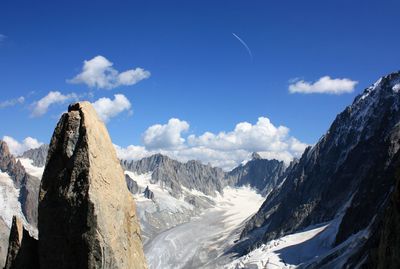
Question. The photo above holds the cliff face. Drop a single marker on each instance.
(87, 217)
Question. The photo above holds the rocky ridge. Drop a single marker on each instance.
(348, 176)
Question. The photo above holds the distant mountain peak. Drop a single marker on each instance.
(38, 155)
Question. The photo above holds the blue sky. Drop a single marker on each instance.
(200, 73)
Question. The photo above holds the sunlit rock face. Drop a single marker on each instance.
(87, 216)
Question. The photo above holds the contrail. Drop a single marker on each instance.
(244, 44)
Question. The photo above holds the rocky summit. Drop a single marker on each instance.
(22, 248)
(86, 215)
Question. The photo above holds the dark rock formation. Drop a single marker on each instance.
(38, 155)
(86, 214)
(389, 245)
(382, 250)
(148, 193)
(22, 248)
(349, 173)
(132, 185)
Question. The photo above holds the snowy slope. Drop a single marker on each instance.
(197, 243)
(31, 168)
(165, 211)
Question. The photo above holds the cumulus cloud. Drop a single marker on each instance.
(107, 108)
(223, 149)
(166, 136)
(39, 108)
(99, 73)
(325, 84)
(132, 152)
(17, 148)
(12, 102)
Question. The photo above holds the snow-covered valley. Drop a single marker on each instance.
(180, 233)
(199, 242)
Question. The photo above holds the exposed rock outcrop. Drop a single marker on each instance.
(148, 193)
(132, 185)
(87, 217)
(22, 248)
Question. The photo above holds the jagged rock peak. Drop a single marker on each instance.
(87, 217)
(22, 248)
(173, 174)
(10, 165)
(38, 155)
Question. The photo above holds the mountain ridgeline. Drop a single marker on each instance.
(348, 176)
(261, 174)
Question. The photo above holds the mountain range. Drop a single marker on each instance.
(335, 207)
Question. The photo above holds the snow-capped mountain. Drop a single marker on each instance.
(18, 197)
(37, 155)
(343, 183)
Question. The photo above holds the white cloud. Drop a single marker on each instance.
(107, 108)
(167, 136)
(224, 149)
(99, 72)
(12, 102)
(132, 152)
(54, 97)
(324, 85)
(17, 148)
